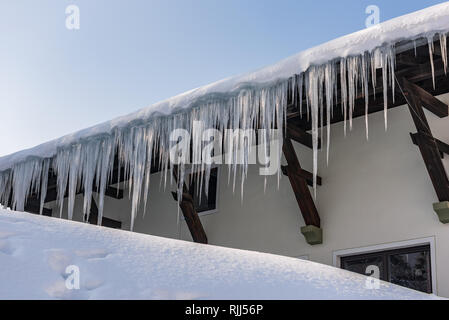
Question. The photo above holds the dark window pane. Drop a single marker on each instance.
(408, 267)
(410, 270)
(359, 265)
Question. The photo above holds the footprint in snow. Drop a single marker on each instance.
(6, 234)
(58, 260)
(6, 248)
(91, 283)
(58, 290)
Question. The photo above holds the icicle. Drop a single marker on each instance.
(364, 82)
(5, 187)
(149, 139)
(344, 92)
(353, 72)
(313, 96)
(88, 168)
(21, 183)
(431, 50)
(62, 167)
(75, 155)
(300, 85)
(330, 87)
(392, 66)
(385, 88)
(106, 162)
(443, 46)
(45, 171)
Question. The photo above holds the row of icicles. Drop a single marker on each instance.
(89, 165)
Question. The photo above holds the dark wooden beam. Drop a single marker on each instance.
(190, 215)
(410, 61)
(299, 186)
(427, 144)
(442, 146)
(111, 192)
(303, 174)
(105, 222)
(428, 101)
(299, 135)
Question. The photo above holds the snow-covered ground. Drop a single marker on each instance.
(113, 264)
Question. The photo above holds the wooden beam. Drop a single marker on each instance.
(299, 135)
(111, 192)
(442, 146)
(299, 186)
(303, 174)
(190, 215)
(105, 222)
(427, 144)
(428, 101)
(411, 60)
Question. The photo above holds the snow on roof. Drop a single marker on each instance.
(113, 264)
(423, 23)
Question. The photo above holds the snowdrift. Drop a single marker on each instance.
(113, 264)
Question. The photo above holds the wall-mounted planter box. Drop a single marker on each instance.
(313, 234)
(442, 210)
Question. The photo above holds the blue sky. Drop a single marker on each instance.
(129, 54)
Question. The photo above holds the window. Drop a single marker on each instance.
(409, 267)
(204, 203)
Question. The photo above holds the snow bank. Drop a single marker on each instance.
(115, 264)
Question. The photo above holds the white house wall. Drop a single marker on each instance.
(374, 192)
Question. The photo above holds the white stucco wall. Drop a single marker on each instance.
(373, 192)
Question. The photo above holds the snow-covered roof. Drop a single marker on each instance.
(35, 252)
(423, 23)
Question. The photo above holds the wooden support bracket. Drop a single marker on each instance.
(302, 192)
(427, 100)
(190, 215)
(299, 135)
(442, 146)
(429, 147)
(304, 174)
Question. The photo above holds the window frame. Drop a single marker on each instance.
(385, 255)
(394, 246)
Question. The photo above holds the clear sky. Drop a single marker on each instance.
(130, 54)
